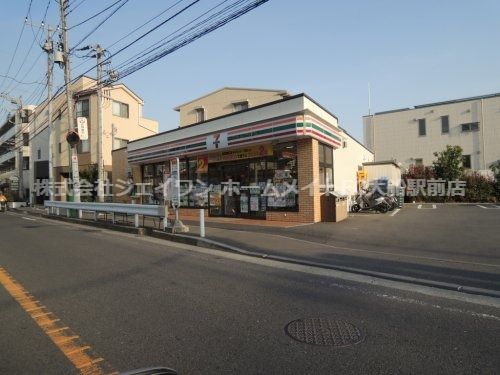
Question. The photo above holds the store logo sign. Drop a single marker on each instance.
(217, 141)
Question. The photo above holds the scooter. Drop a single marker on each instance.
(366, 201)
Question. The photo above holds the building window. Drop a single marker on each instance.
(419, 161)
(200, 114)
(82, 108)
(240, 106)
(470, 127)
(325, 167)
(445, 124)
(120, 109)
(26, 163)
(119, 143)
(26, 139)
(39, 154)
(421, 127)
(466, 161)
(83, 147)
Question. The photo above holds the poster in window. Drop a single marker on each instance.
(243, 203)
(254, 203)
(202, 164)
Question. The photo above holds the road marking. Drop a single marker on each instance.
(29, 218)
(395, 212)
(426, 208)
(491, 207)
(60, 335)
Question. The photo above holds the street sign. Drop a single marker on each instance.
(14, 183)
(76, 177)
(83, 130)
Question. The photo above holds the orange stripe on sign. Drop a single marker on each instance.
(62, 336)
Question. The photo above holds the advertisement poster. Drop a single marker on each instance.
(254, 203)
(244, 203)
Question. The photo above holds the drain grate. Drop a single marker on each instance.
(324, 331)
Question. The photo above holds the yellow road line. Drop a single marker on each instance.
(62, 336)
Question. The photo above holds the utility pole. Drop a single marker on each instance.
(99, 53)
(48, 47)
(72, 152)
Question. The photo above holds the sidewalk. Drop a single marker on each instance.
(363, 243)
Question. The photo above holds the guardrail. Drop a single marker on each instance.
(113, 208)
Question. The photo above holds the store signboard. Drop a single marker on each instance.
(83, 130)
(174, 190)
(217, 141)
(243, 153)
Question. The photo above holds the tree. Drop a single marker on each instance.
(495, 168)
(448, 165)
(90, 175)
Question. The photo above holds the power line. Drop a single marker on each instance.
(95, 15)
(100, 24)
(216, 25)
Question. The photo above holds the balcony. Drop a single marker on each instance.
(7, 156)
(8, 135)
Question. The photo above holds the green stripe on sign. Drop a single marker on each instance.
(324, 131)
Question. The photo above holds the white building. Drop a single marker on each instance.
(412, 135)
(15, 153)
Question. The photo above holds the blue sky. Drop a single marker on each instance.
(411, 52)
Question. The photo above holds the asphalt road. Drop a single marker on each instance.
(138, 302)
(455, 244)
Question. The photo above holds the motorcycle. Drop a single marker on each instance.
(368, 201)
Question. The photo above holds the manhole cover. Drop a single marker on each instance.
(324, 331)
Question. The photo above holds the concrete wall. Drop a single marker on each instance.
(395, 135)
(346, 163)
(221, 102)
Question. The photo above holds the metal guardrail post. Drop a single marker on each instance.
(96, 215)
(136, 220)
(202, 223)
(113, 217)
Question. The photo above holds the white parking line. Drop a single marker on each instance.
(395, 211)
(491, 207)
(29, 218)
(427, 208)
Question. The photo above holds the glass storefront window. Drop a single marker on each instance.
(325, 167)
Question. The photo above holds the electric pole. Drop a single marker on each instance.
(72, 152)
(48, 47)
(99, 53)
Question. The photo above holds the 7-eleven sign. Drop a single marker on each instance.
(216, 141)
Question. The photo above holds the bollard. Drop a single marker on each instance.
(80, 214)
(202, 223)
(136, 220)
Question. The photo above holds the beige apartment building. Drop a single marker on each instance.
(412, 135)
(122, 121)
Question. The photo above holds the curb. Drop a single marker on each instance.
(211, 244)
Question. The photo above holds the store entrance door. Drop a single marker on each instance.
(240, 196)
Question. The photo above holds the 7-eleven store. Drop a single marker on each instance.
(267, 162)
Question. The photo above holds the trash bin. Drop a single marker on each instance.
(333, 207)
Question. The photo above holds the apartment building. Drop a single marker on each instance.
(122, 121)
(252, 139)
(15, 153)
(412, 135)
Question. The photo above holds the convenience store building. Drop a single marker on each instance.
(261, 154)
